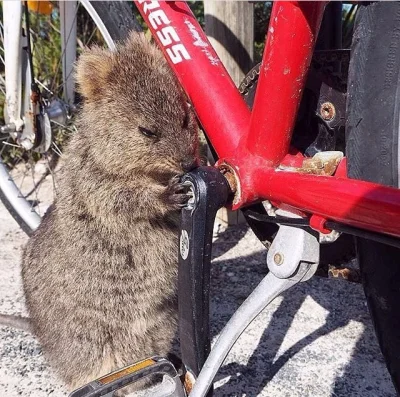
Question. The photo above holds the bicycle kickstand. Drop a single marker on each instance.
(292, 258)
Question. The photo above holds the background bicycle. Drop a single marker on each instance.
(57, 33)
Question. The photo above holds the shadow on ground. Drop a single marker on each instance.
(364, 374)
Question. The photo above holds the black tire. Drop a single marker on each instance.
(118, 19)
(372, 146)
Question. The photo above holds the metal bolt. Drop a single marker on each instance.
(327, 111)
(26, 144)
(8, 128)
(278, 258)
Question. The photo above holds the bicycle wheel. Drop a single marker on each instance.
(373, 155)
(28, 178)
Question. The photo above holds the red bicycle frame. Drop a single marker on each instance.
(254, 145)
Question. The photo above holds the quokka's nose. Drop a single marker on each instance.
(188, 164)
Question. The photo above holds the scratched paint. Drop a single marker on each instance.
(199, 42)
(287, 54)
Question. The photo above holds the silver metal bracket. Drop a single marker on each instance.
(290, 247)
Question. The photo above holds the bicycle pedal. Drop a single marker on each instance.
(171, 385)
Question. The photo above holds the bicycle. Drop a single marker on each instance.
(259, 163)
(40, 43)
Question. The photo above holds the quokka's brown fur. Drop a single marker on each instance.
(100, 272)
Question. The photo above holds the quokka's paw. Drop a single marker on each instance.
(176, 193)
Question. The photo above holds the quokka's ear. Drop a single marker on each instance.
(92, 70)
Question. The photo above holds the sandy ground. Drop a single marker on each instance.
(315, 340)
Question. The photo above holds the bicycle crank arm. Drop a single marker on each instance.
(107, 385)
(210, 192)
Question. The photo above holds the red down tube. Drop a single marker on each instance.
(218, 104)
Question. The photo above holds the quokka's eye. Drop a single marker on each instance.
(149, 133)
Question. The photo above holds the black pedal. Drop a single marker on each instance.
(107, 385)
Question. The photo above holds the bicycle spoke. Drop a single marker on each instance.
(37, 188)
(56, 149)
(1, 32)
(3, 83)
(35, 191)
(90, 38)
(62, 54)
(20, 158)
(53, 178)
(55, 28)
(64, 127)
(2, 41)
(11, 144)
(23, 179)
(3, 148)
(60, 86)
(44, 87)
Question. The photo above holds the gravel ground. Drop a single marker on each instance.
(315, 340)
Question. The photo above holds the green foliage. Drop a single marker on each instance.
(262, 13)
(197, 8)
(46, 48)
